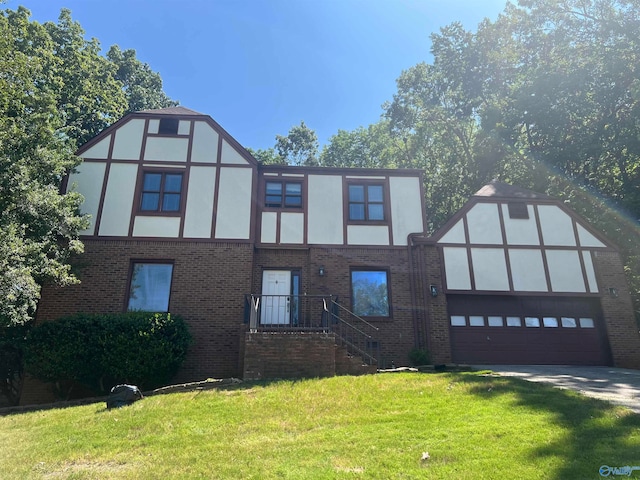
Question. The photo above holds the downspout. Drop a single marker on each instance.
(417, 278)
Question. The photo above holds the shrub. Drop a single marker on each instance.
(11, 364)
(99, 351)
(419, 356)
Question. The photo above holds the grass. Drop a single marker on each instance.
(473, 426)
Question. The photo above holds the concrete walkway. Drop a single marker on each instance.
(615, 385)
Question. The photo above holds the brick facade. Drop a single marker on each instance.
(617, 310)
(207, 290)
(289, 355)
(396, 335)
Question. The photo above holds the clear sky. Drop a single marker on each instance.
(258, 67)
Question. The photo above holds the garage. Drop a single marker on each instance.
(525, 330)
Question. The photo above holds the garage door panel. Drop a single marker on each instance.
(561, 341)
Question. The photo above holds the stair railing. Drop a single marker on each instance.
(357, 335)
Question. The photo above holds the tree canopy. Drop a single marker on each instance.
(56, 92)
(546, 97)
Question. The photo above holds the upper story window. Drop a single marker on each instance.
(366, 202)
(168, 126)
(518, 210)
(161, 192)
(283, 194)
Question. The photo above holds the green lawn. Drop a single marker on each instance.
(472, 426)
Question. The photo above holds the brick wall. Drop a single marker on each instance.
(617, 310)
(289, 355)
(396, 334)
(208, 284)
(436, 315)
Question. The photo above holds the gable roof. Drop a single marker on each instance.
(178, 110)
(496, 189)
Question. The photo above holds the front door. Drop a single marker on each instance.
(276, 297)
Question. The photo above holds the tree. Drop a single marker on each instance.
(142, 86)
(299, 147)
(267, 156)
(546, 97)
(56, 92)
(371, 147)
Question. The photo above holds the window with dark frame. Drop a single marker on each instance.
(370, 293)
(366, 202)
(168, 126)
(518, 210)
(283, 194)
(161, 192)
(150, 287)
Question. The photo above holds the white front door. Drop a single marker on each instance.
(276, 297)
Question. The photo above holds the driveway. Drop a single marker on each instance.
(616, 385)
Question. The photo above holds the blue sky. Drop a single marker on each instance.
(258, 67)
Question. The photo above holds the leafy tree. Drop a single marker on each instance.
(38, 226)
(299, 147)
(142, 86)
(372, 147)
(267, 156)
(56, 92)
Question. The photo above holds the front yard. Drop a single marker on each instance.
(446, 425)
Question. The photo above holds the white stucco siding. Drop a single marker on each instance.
(269, 227)
(556, 225)
(168, 227)
(87, 180)
(406, 208)
(291, 227)
(154, 125)
(520, 231)
(205, 143)
(456, 266)
(587, 239)
(591, 273)
(199, 208)
(118, 200)
(98, 151)
(565, 271)
(128, 141)
(166, 149)
(455, 234)
(527, 270)
(484, 224)
(233, 218)
(368, 235)
(325, 221)
(184, 126)
(231, 155)
(490, 269)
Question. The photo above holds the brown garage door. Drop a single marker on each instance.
(527, 330)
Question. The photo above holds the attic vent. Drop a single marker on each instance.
(518, 210)
(168, 126)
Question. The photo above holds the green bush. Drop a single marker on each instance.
(419, 356)
(11, 364)
(99, 351)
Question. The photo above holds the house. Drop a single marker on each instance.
(285, 271)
